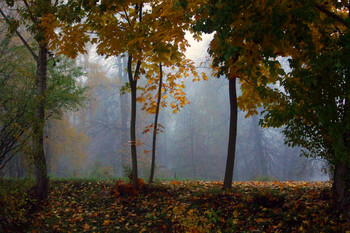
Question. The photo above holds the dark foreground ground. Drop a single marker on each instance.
(186, 206)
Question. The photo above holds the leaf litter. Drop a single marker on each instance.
(174, 206)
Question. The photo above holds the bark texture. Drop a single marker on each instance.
(42, 181)
(154, 143)
(341, 187)
(133, 142)
(230, 162)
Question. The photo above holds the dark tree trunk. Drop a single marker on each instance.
(341, 183)
(230, 162)
(341, 188)
(156, 124)
(133, 142)
(42, 180)
(133, 136)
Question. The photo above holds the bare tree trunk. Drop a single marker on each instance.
(258, 147)
(133, 136)
(124, 101)
(341, 188)
(193, 147)
(133, 86)
(156, 124)
(230, 162)
(42, 180)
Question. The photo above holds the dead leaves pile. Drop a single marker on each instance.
(187, 206)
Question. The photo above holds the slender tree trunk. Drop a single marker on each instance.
(124, 101)
(258, 147)
(133, 86)
(164, 150)
(42, 180)
(193, 148)
(133, 136)
(156, 124)
(230, 162)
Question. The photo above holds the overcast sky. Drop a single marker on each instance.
(198, 50)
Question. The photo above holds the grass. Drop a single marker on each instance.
(81, 205)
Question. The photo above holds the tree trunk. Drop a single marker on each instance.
(230, 162)
(341, 183)
(341, 188)
(42, 180)
(133, 136)
(133, 86)
(193, 145)
(156, 124)
(259, 148)
(124, 101)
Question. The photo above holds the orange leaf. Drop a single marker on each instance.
(86, 227)
(106, 222)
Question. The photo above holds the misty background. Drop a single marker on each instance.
(94, 141)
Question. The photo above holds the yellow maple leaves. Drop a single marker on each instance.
(106, 222)
(86, 227)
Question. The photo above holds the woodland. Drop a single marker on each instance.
(174, 116)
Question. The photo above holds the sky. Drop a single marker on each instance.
(198, 50)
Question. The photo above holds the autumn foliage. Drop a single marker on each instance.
(173, 206)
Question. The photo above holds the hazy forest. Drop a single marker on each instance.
(174, 116)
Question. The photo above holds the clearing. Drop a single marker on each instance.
(172, 206)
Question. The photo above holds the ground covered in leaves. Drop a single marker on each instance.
(173, 206)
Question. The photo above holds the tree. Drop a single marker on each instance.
(18, 96)
(16, 99)
(213, 22)
(33, 17)
(39, 18)
(314, 102)
(147, 32)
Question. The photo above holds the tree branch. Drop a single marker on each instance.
(131, 80)
(332, 15)
(30, 13)
(137, 70)
(127, 16)
(140, 12)
(20, 36)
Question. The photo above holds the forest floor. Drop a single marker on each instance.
(173, 206)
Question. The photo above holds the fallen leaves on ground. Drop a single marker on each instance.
(177, 206)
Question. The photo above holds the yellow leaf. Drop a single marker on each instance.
(165, 96)
(205, 77)
(106, 222)
(86, 227)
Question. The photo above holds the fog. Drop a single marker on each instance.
(94, 141)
